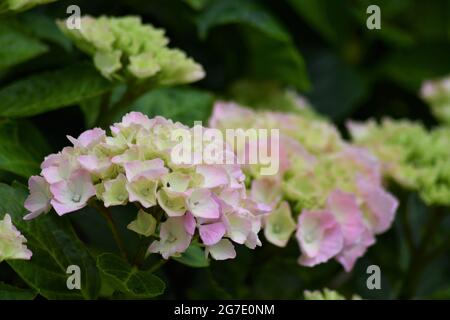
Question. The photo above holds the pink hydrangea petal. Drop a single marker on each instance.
(51, 160)
(381, 205)
(213, 176)
(150, 169)
(351, 252)
(226, 112)
(88, 138)
(211, 233)
(189, 223)
(266, 191)
(63, 208)
(51, 174)
(346, 211)
(136, 118)
(38, 201)
(73, 194)
(93, 164)
(202, 204)
(320, 237)
(174, 238)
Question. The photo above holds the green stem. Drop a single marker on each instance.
(132, 93)
(419, 257)
(158, 265)
(104, 106)
(112, 226)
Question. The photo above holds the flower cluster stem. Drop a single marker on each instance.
(112, 226)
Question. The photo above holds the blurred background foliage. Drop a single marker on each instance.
(320, 48)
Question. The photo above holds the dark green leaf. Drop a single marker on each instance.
(337, 87)
(8, 292)
(128, 280)
(51, 90)
(45, 28)
(55, 247)
(248, 12)
(411, 66)
(194, 257)
(16, 46)
(276, 60)
(22, 148)
(179, 104)
(329, 18)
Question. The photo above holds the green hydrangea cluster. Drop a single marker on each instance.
(326, 294)
(413, 156)
(20, 5)
(125, 48)
(437, 94)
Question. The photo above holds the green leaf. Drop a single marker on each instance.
(128, 280)
(248, 12)
(276, 60)
(179, 104)
(8, 292)
(55, 247)
(51, 90)
(338, 93)
(44, 27)
(413, 65)
(197, 4)
(194, 257)
(22, 148)
(329, 18)
(16, 46)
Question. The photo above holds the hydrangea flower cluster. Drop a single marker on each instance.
(12, 242)
(135, 165)
(412, 156)
(20, 5)
(124, 48)
(335, 187)
(437, 94)
(326, 294)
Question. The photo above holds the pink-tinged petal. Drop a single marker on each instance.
(73, 194)
(136, 118)
(189, 223)
(319, 236)
(51, 160)
(12, 242)
(379, 205)
(266, 191)
(51, 174)
(351, 252)
(213, 176)
(231, 197)
(62, 170)
(150, 169)
(93, 164)
(222, 250)
(366, 163)
(131, 154)
(346, 211)
(38, 201)
(202, 204)
(227, 114)
(173, 238)
(88, 138)
(211, 233)
(238, 227)
(63, 208)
